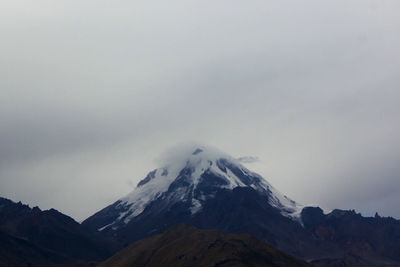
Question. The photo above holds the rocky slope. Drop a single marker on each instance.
(186, 246)
(34, 236)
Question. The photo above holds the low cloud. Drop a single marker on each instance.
(249, 159)
(93, 91)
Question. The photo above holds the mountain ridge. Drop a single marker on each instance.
(37, 235)
(236, 200)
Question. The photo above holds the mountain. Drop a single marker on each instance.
(193, 179)
(187, 246)
(208, 189)
(36, 237)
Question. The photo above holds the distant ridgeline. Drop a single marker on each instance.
(207, 189)
(32, 237)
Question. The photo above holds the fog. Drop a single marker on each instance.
(93, 92)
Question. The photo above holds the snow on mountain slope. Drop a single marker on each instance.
(194, 175)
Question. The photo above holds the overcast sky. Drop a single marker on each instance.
(92, 92)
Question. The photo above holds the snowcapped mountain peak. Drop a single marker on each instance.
(191, 154)
(193, 175)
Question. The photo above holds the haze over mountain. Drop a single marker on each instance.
(194, 175)
(92, 90)
(207, 188)
(203, 187)
(304, 95)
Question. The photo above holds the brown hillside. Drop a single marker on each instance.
(187, 246)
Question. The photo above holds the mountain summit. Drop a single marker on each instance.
(193, 176)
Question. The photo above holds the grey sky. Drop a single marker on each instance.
(92, 92)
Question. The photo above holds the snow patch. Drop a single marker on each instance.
(104, 227)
